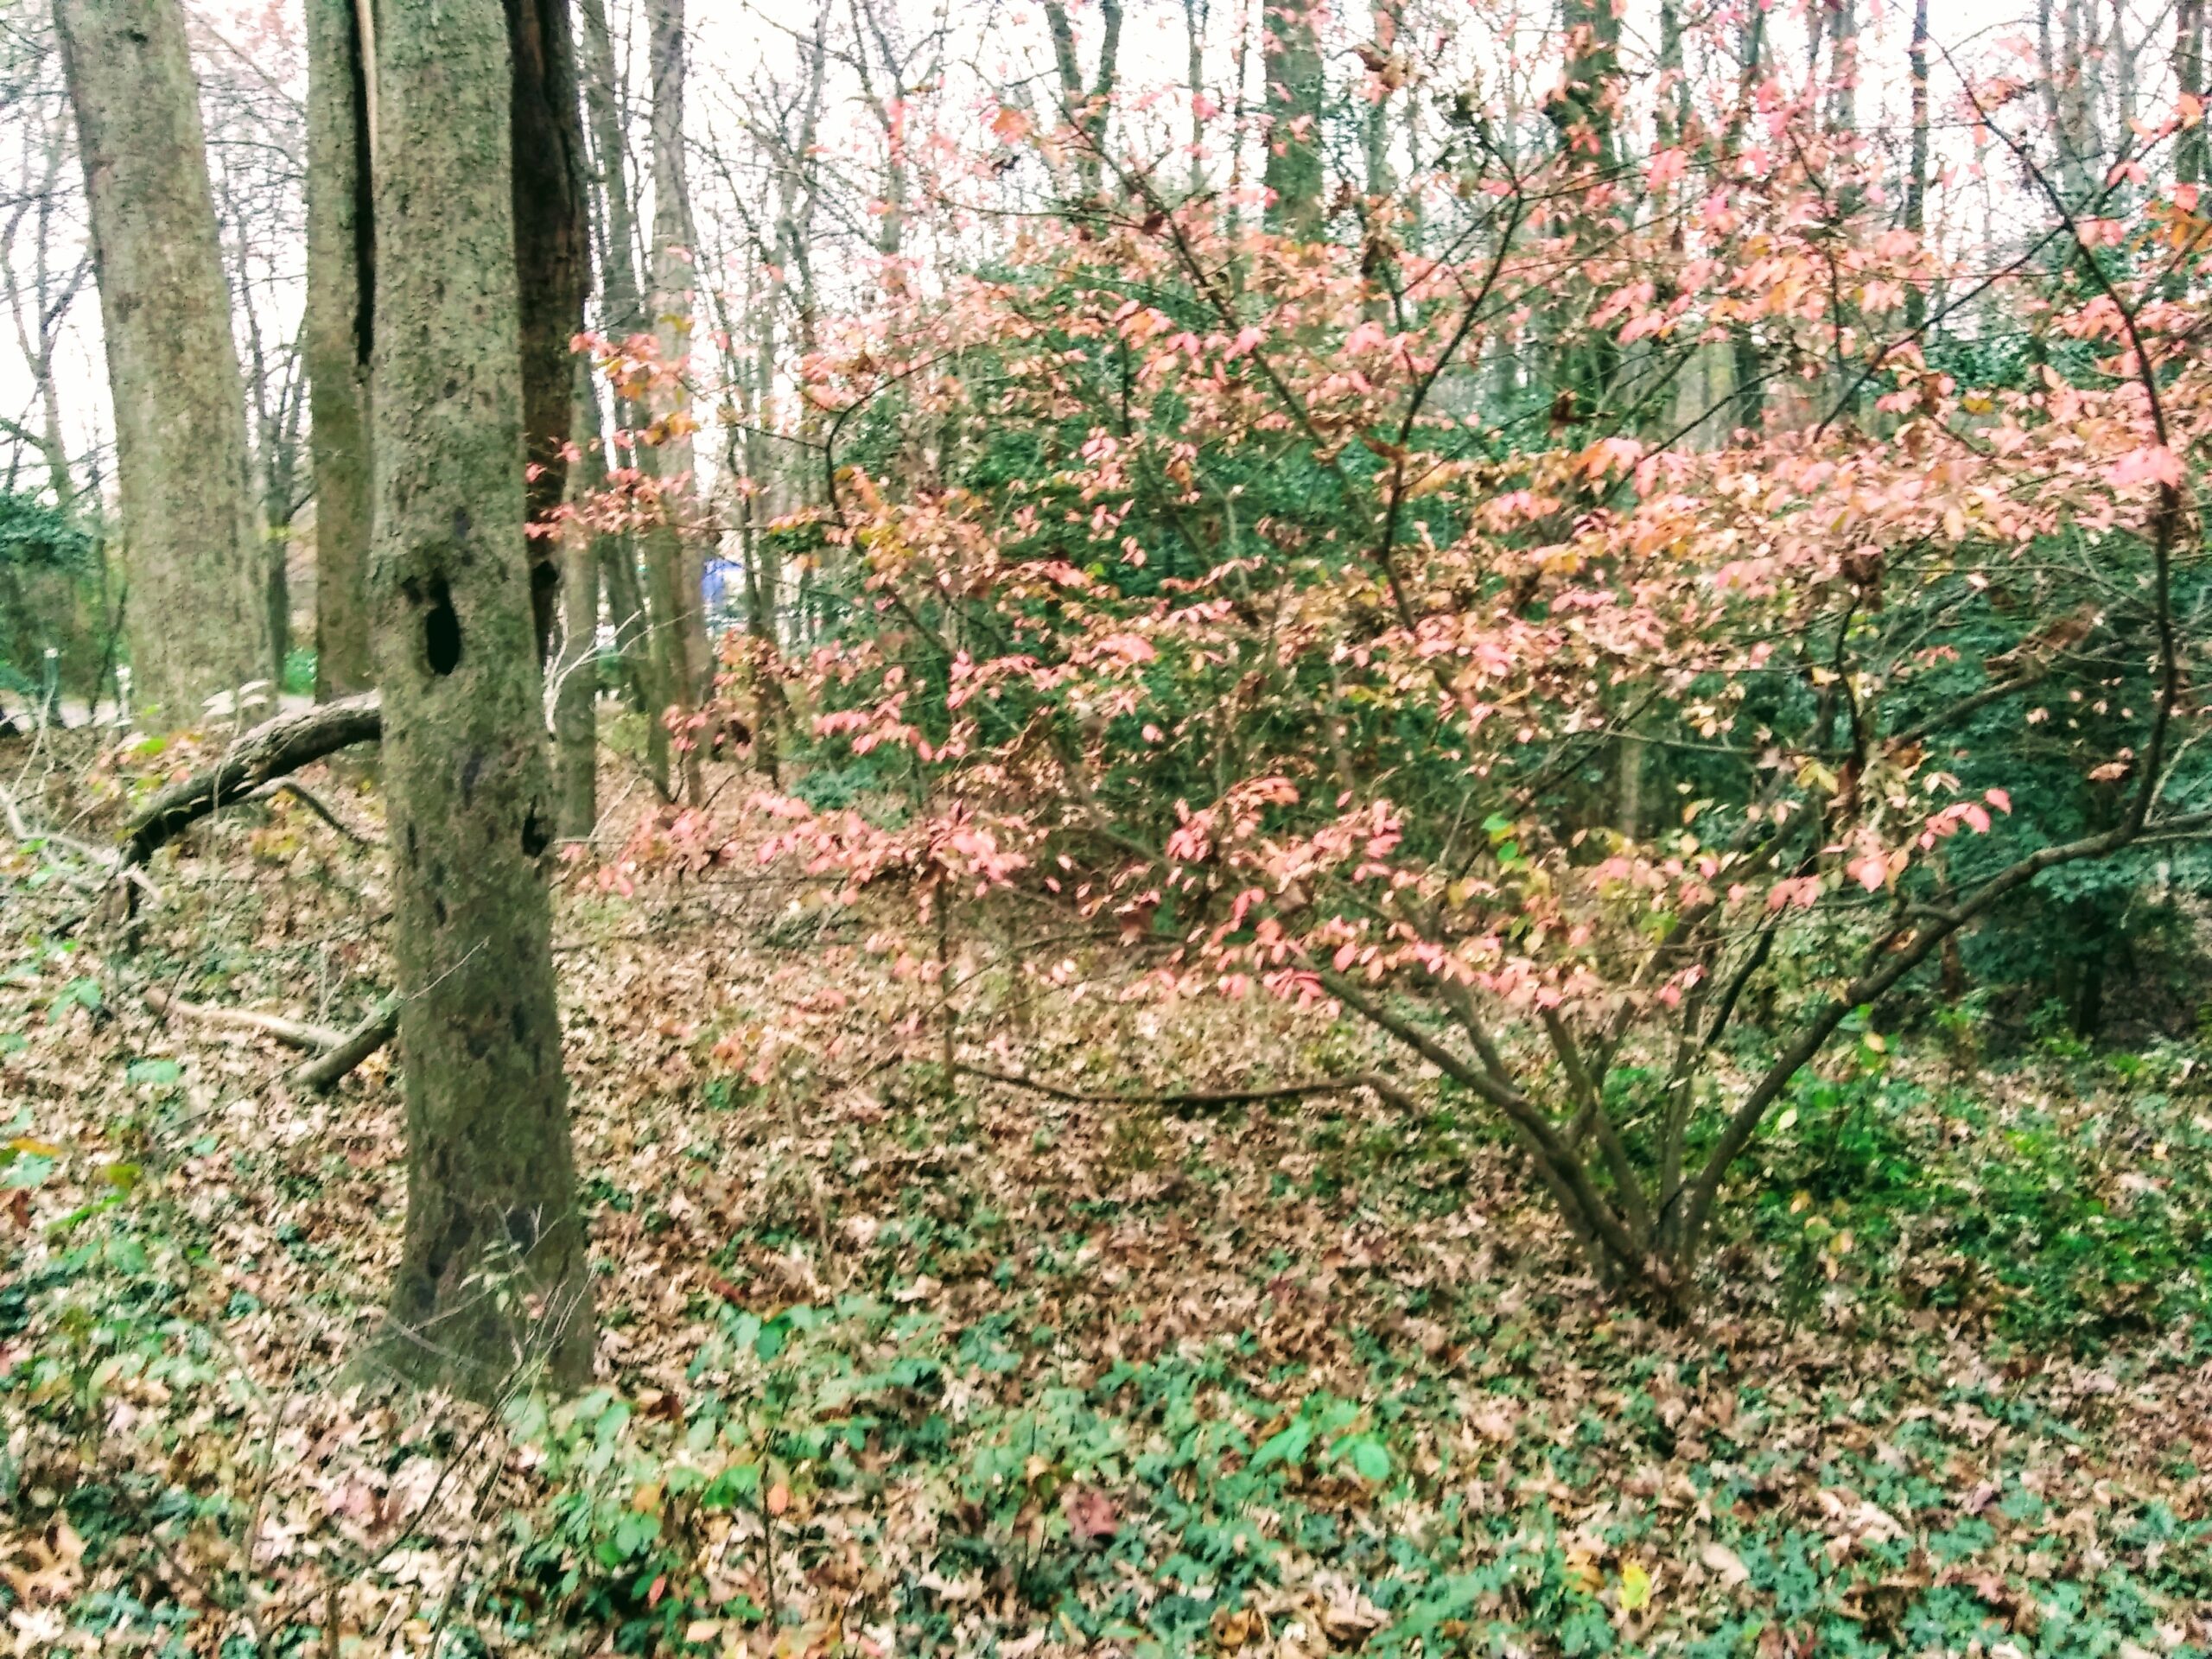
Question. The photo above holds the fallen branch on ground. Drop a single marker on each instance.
(46, 840)
(1391, 1092)
(336, 1052)
(299, 1033)
(323, 1074)
(268, 751)
(314, 803)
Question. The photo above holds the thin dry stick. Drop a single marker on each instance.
(299, 1033)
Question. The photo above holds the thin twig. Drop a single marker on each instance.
(1391, 1092)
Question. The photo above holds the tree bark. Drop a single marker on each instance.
(1916, 189)
(622, 315)
(492, 1275)
(2188, 83)
(1291, 64)
(673, 575)
(199, 619)
(553, 264)
(1087, 110)
(341, 286)
(575, 700)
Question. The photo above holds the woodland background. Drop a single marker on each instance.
(1141, 827)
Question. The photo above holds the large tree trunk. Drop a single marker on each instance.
(1291, 65)
(198, 605)
(492, 1273)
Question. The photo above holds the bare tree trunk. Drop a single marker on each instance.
(2077, 104)
(1916, 189)
(199, 620)
(1747, 366)
(1194, 78)
(1843, 70)
(492, 1273)
(575, 700)
(1087, 110)
(2060, 72)
(342, 278)
(1584, 110)
(1291, 62)
(2189, 82)
(672, 573)
(637, 631)
(887, 105)
(40, 301)
(1382, 64)
(553, 254)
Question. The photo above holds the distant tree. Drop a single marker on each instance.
(342, 277)
(1296, 172)
(198, 617)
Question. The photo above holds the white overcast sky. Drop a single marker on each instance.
(998, 42)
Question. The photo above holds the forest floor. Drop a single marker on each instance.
(892, 1368)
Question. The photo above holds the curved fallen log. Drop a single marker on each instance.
(269, 751)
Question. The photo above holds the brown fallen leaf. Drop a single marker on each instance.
(1092, 1516)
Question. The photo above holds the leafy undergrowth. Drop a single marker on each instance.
(888, 1368)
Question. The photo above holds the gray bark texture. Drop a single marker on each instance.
(198, 608)
(622, 306)
(575, 669)
(674, 572)
(1290, 63)
(492, 1276)
(342, 278)
(553, 257)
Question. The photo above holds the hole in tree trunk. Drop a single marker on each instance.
(442, 630)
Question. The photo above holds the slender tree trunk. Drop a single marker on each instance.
(1385, 17)
(1194, 78)
(342, 278)
(2189, 82)
(2078, 104)
(622, 307)
(199, 616)
(493, 1272)
(1747, 365)
(1584, 110)
(671, 567)
(1915, 188)
(1087, 110)
(575, 702)
(553, 260)
(1843, 71)
(1291, 62)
